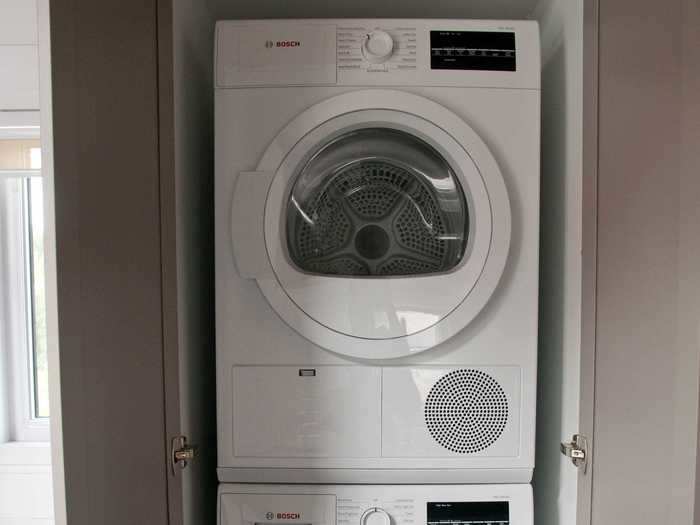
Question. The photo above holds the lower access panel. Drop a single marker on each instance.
(306, 412)
(375, 504)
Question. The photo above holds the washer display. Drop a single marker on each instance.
(468, 513)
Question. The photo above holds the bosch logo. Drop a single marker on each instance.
(282, 43)
(283, 516)
(288, 515)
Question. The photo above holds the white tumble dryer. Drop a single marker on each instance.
(377, 204)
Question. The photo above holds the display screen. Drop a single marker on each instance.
(472, 50)
(468, 513)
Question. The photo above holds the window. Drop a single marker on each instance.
(23, 310)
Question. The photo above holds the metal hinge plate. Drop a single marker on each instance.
(577, 450)
(181, 453)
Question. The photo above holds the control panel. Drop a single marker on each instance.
(372, 52)
(383, 48)
(403, 511)
(473, 50)
(468, 513)
(375, 504)
(376, 510)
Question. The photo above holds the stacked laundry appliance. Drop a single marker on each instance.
(377, 218)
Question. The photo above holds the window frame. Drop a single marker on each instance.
(17, 332)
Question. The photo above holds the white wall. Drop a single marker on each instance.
(19, 63)
(25, 484)
(555, 480)
(46, 125)
(26, 492)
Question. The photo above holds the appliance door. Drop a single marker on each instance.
(386, 224)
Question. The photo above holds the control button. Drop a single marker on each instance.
(375, 516)
(378, 46)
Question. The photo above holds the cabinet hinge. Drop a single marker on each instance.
(181, 453)
(577, 450)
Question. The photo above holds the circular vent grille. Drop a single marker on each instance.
(466, 411)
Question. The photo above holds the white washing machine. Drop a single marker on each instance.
(375, 505)
(377, 203)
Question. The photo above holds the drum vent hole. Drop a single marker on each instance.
(372, 242)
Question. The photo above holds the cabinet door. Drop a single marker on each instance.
(120, 323)
(185, 112)
(646, 309)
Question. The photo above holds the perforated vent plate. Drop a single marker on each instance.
(380, 194)
(466, 411)
(376, 202)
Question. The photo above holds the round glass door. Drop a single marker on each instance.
(386, 224)
(376, 202)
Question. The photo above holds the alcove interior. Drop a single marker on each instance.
(561, 27)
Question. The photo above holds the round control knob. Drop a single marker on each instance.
(378, 46)
(375, 516)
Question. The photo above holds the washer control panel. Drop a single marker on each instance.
(376, 510)
(375, 504)
(468, 512)
(375, 516)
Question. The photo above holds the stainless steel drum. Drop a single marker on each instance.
(376, 202)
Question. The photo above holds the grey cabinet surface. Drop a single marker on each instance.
(132, 138)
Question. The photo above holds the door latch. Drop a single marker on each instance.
(577, 450)
(182, 453)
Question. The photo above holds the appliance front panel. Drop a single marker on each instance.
(451, 412)
(255, 60)
(375, 504)
(249, 331)
(378, 315)
(405, 286)
(371, 52)
(394, 417)
(274, 509)
(306, 411)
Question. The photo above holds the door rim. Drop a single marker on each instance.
(492, 205)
